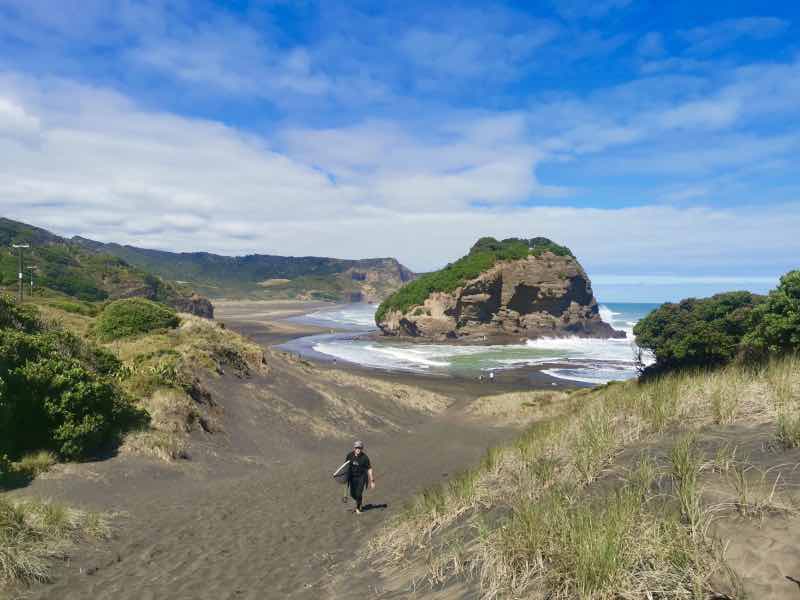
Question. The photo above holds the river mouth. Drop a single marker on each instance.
(579, 360)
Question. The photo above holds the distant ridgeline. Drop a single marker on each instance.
(268, 276)
(72, 269)
(513, 287)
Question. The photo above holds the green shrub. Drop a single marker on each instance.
(697, 332)
(775, 328)
(132, 316)
(482, 256)
(14, 316)
(56, 394)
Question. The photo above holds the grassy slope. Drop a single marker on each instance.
(483, 256)
(615, 496)
(71, 269)
(218, 275)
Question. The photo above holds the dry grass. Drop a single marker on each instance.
(546, 521)
(35, 463)
(28, 467)
(33, 533)
(158, 444)
(412, 397)
(161, 371)
(518, 408)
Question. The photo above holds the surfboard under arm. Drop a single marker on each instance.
(341, 469)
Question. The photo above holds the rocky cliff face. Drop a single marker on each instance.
(375, 280)
(195, 305)
(535, 296)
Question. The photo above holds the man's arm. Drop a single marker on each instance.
(371, 478)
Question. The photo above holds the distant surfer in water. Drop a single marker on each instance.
(360, 473)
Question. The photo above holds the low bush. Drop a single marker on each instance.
(57, 392)
(775, 327)
(697, 332)
(133, 316)
(14, 316)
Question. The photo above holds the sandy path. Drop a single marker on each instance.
(255, 515)
(273, 532)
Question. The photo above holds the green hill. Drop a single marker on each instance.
(69, 268)
(481, 257)
(267, 276)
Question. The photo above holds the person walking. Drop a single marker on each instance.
(360, 473)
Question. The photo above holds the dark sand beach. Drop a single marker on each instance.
(254, 512)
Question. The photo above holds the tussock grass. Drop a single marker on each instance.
(548, 522)
(757, 492)
(686, 463)
(594, 443)
(35, 463)
(158, 444)
(28, 467)
(33, 533)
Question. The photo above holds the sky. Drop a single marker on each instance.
(658, 140)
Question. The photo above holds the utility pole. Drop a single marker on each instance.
(21, 248)
(31, 269)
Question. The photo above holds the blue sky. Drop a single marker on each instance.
(659, 140)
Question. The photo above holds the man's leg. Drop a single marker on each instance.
(358, 490)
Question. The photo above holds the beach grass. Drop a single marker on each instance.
(33, 533)
(564, 511)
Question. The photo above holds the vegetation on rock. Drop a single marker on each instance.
(133, 316)
(482, 256)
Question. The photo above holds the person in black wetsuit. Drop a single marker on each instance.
(359, 474)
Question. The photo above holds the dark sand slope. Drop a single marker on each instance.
(254, 513)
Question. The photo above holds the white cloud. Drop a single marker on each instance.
(231, 56)
(705, 40)
(16, 123)
(422, 189)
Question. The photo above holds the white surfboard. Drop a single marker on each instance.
(340, 474)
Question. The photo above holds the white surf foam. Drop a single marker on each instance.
(357, 316)
(592, 361)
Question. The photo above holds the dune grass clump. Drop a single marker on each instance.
(133, 316)
(623, 543)
(33, 533)
(29, 466)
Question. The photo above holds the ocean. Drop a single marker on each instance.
(574, 359)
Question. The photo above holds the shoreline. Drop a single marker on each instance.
(270, 327)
